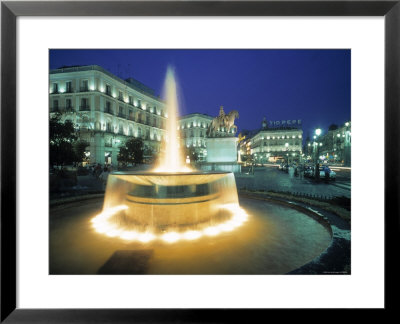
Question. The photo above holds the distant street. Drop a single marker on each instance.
(269, 178)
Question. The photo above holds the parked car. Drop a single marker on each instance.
(309, 171)
(324, 170)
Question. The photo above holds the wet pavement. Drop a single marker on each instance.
(275, 239)
(269, 178)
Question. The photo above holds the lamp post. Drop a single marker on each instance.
(347, 145)
(317, 134)
(287, 149)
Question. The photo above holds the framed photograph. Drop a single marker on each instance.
(155, 172)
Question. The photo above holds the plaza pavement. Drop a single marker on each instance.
(264, 178)
(271, 179)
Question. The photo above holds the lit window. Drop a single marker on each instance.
(108, 89)
(68, 86)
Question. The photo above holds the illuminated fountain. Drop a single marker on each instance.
(145, 214)
(172, 202)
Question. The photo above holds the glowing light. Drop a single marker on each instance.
(171, 237)
(146, 237)
(191, 235)
(172, 161)
(212, 231)
(113, 232)
(102, 225)
(128, 235)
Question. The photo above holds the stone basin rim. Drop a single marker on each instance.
(153, 173)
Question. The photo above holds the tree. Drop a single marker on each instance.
(191, 152)
(79, 150)
(131, 152)
(333, 127)
(148, 153)
(62, 137)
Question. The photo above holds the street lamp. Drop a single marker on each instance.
(317, 134)
(347, 144)
(287, 149)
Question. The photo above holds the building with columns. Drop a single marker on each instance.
(270, 144)
(193, 132)
(334, 145)
(107, 110)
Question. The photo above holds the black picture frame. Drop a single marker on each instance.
(10, 10)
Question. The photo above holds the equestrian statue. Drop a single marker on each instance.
(223, 123)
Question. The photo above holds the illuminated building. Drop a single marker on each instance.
(335, 145)
(193, 132)
(107, 110)
(272, 144)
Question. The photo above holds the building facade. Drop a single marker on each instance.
(193, 132)
(273, 144)
(107, 110)
(333, 147)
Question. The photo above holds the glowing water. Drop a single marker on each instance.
(172, 160)
(169, 206)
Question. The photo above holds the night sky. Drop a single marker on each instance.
(311, 85)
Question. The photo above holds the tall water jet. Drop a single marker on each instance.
(172, 159)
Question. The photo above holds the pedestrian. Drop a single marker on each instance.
(291, 171)
(98, 170)
(103, 177)
(301, 171)
(327, 173)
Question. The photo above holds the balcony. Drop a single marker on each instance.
(84, 108)
(84, 89)
(121, 115)
(108, 111)
(55, 110)
(69, 109)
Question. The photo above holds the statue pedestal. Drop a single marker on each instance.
(221, 155)
(222, 149)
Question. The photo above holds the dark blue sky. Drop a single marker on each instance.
(311, 85)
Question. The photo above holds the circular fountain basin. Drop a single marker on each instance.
(275, 239)
(160, 202)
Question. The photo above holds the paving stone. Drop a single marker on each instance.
(127, 262)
